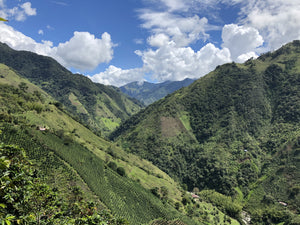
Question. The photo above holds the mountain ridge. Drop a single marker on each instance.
(68, 156)
(226, 130)
(100, 107)
(150, 92)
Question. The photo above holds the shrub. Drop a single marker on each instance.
(112, 165)
(121, 171)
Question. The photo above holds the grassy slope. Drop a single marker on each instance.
(77, 92)
(68, 152)
(229, 129)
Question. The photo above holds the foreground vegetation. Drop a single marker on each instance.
(25, 199)
(69, 156)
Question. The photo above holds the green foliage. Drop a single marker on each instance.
(63, 162)
(93, 101)
(237, 128)
(224, 203)
(121, 171)
(26, 200)
(113, 165)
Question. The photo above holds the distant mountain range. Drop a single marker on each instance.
(150, 92)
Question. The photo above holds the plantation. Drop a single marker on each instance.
(66, 161)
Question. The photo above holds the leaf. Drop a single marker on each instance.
(2, 19)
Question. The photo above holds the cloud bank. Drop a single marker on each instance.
(175, 29)
(174, 25)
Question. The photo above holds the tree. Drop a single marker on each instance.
(112, 165)
(121, 171)
(23, 86)
(164, 192)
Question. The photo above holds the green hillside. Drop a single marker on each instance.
(150, 92)
(100, 107)
(235, 131)
(69, 157)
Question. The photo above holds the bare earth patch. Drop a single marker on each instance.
(171, 127)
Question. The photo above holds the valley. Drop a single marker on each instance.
(221, 150)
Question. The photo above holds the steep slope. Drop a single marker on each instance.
(101, 107)
(150, 92)
(68, 155)
(236, 131)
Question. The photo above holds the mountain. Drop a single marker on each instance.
(150, 92)
(235, 131)
(76, 164)
(100, 107)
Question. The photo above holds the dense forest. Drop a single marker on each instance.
(235, 131)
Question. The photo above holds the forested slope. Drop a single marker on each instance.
(236, 131)
(70, 158)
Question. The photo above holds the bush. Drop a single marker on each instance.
(112, 165)
(121, 171)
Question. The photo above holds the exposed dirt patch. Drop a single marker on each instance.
(171, 127)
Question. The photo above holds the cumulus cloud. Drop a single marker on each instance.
(158, 40)
(276, 20)
(182, 30)
(241, 40)
(18, 13)
(172, 63)
(118, 77)
(19, 41)
(83, 51)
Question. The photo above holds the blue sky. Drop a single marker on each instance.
(120, 41)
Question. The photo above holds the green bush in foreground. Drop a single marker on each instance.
(26, 200)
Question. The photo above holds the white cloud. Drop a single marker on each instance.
(172, 63)
(19, 41)
(19, 13)
(138, 41)
(175, 5)
(244, 57)
(158, 40)
(28, 10)
(2, 5)
(276, 20)
(83, 51)
(41, 32)
(168, 62)
(182, 30)
(118, 77)
(241, 40)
